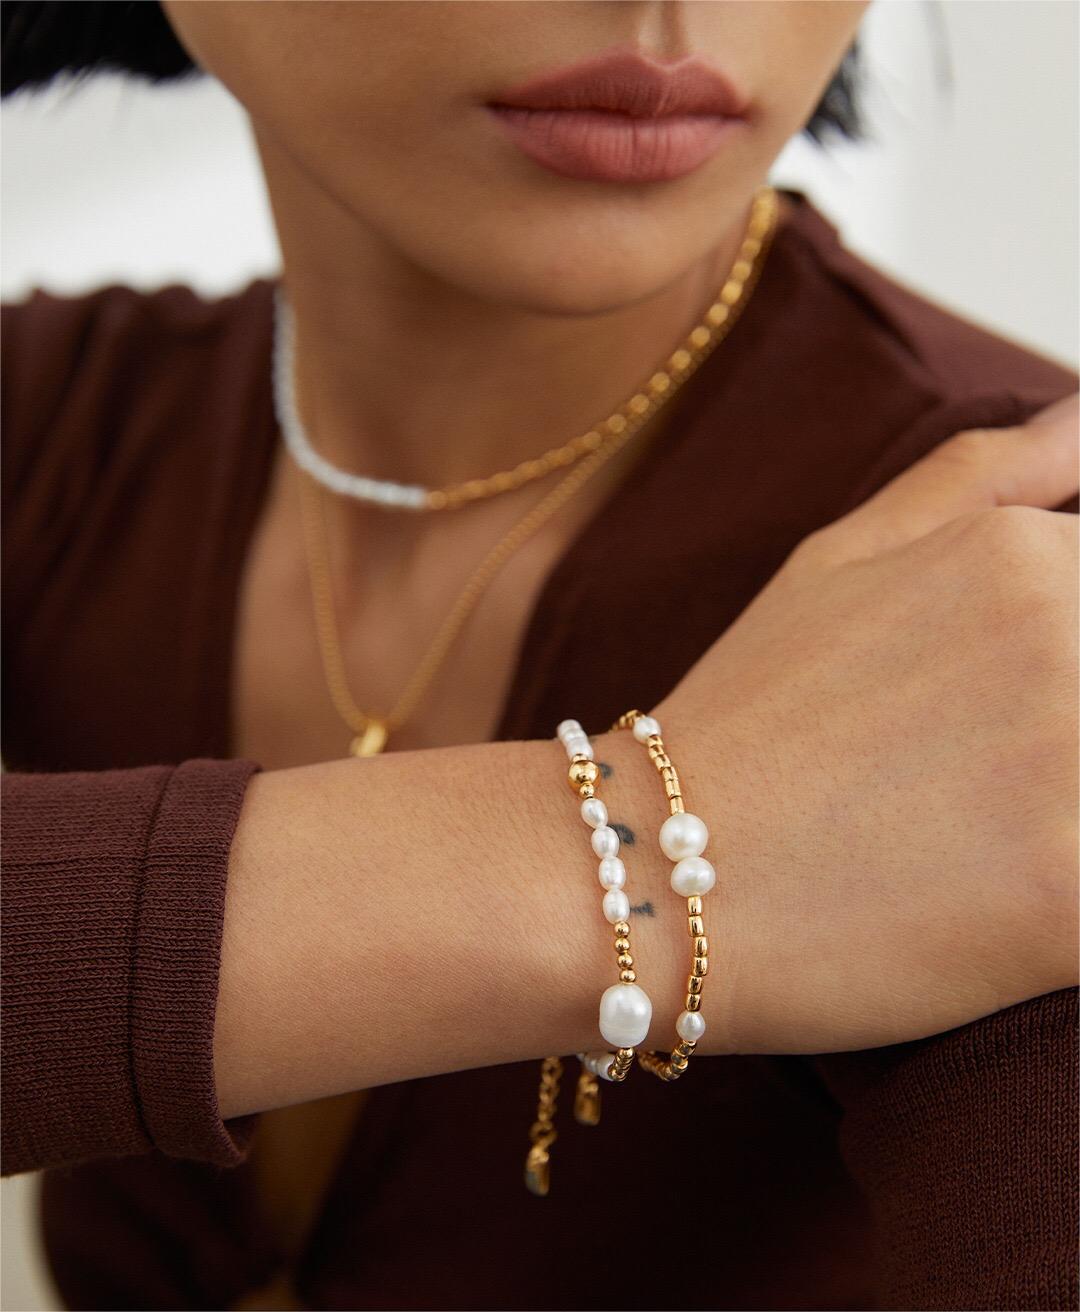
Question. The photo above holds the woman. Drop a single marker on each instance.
(826, 556)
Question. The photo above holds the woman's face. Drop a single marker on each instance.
(385, 109)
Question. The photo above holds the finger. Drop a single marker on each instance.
(1034, 464)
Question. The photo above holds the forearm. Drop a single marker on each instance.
(424, 912)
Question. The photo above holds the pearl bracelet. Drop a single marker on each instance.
(625, 1007)
(682, 839)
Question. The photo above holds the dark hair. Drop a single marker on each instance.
(45, 38)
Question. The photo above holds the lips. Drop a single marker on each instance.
(622, 117)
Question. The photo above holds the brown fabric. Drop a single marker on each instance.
(138, 437)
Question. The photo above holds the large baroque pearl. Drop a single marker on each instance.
(625, 1013)
(683, 835)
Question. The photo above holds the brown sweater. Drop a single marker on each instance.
(138, 437)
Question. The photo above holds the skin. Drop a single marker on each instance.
(896, 801)
(419, 244)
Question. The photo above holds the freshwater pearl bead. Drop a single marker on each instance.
(605, 841)
(594, 812)
(612, 872)
(616, 905)
(690, 1026)
(683, 835)
(644, 727)
(693, 876)
(578, 745)
(625, 1013)
(567, 729)
(597, 1063)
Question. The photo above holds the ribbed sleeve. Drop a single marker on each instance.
(965, 1146)
(113, 907)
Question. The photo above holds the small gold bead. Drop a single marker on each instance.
(700, 337)
(679, 360)
(696, 926)
(693, 984)
(622, 945)
(717, 314)
(659, 383)
(693, 1002)
(583, 772)
(566, 455)
(625, 960)
(693, 906)
(741, 270)
(731, 292)
(587, 790)
(622, 928)
(502, 482)
(616, 424)
(701, 966)
(627, 976)
(701, 946)
(437, 500)
(592, 440)
(750, 248)
(639, 403)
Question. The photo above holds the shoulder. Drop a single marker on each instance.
(119, 396)
(876, 373)
(99, 354)
(932, 346)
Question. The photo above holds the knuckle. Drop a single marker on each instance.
(815, 552)
(971, 446)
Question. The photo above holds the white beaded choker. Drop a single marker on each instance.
(381, 491)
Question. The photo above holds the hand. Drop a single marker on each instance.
(884, 747)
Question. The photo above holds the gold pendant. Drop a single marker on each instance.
(371, 741)
(587, 1100)
(538, 1171)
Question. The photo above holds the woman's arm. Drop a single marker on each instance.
(883, 744)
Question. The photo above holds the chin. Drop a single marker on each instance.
(581, 277)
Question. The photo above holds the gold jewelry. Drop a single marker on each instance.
(682, 838)
(370, 729)
(625, 1008)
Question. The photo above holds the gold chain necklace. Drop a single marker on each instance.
(370, 730)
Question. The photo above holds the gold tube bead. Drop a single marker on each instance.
(701, 966)
(701, 946)
(696, 926)
(693, 906)
(693, 1002)
(693, 984)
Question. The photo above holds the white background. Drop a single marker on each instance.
(967, 191)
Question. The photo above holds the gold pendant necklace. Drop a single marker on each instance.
(370, 729)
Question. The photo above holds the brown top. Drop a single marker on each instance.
(935, 1174)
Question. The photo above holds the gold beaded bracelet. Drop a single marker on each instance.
(682, 839)
(625, 1008)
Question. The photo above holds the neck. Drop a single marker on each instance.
(401, 375)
